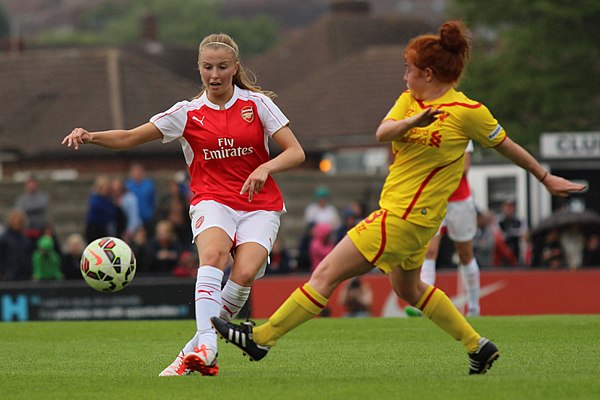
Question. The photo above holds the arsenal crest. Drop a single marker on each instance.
(248, 114)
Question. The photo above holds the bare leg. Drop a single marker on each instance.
(344, 262)
(249, 258)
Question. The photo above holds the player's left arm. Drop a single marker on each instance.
(556, 185)
(291, 156)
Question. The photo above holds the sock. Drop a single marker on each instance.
(233, 298)
(301, 306)
(470, 276)
(208, 304)
(191, 344)
(439, 308)
(428, 271)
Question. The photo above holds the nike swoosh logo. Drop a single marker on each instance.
(97, 257)
(391, 308)
(460, 301)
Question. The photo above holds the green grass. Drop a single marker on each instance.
(545, 357)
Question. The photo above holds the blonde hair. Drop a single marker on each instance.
(243, 78)
(102, 182)
(74, 239)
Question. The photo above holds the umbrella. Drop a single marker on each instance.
(586, 220)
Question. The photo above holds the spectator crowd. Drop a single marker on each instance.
(158, 231)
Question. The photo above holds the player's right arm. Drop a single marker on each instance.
(396, 124)
(391, 130)
(119, 139)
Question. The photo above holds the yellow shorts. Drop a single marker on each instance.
(388, 241)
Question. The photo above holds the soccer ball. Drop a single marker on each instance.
(108, 264)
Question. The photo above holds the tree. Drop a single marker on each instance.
(180, 22)
(4, 23)
(535, 63)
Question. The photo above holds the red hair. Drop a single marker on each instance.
(445, 54)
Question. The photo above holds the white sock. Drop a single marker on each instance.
(208, 304)
(470, 277)
(428, 271)
(191, 344)
(233, 298)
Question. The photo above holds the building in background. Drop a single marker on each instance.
(316, 69)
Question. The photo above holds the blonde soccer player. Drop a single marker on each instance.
(236, 204)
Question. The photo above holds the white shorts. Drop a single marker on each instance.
(461, 220)
(241, 226)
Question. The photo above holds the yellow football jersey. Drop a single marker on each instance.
(428, 162)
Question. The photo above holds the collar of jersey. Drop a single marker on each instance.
(236, 95)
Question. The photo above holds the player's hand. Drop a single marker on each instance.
(425, 118)
(255, 182)
(561, 187)
(76, 137)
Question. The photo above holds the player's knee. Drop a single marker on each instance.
(243, 276)
(465, 252)
(321, 274)
(324, 279)
(408, 293)
(431, 254)
(465, 259)
(214, 256)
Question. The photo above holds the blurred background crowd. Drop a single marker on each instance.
(157, 227)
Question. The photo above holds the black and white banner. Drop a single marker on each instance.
(145, 298)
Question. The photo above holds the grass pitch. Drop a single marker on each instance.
(542, 357)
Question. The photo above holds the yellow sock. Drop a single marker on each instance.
(439, 308)
(300, 307)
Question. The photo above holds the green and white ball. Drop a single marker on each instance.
(108, 264)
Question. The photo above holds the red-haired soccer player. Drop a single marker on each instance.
(429, 128)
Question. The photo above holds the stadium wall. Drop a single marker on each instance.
(505, 292)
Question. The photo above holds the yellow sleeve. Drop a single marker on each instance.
(398, 111)
(480, 125)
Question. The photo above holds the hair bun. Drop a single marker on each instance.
(453, 38)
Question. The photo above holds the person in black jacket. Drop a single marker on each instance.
(15, 248)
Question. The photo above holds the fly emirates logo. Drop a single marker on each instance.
(226, 149)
